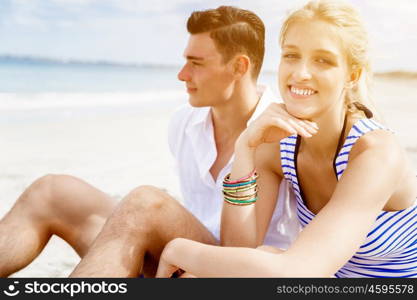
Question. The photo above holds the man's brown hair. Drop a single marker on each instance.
(234, 31)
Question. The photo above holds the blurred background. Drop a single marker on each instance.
(87, 88)
(113, 45)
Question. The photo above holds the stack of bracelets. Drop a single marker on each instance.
(243, 191)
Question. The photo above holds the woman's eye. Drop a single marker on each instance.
(323, 61)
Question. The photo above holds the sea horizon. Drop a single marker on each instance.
(43, 60)
(35, 74)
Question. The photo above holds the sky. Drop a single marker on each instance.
(153, 32)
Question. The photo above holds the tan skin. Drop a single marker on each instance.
(229, 90)
(225, 146)
(121, 239)
(312, 83)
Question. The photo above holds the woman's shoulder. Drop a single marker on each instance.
(380, 151)
(378, 140)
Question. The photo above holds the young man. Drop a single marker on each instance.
(223, 59)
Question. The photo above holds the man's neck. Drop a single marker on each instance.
(230, 119)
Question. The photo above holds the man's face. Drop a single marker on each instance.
(208, 79)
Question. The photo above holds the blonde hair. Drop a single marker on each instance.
(354, 40)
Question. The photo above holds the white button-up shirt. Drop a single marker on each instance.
(191, 141)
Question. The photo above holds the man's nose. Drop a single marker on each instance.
(184, 74)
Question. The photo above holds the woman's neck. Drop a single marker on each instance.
(323, 145)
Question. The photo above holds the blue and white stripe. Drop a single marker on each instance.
(390, 249)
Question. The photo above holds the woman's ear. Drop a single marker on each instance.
(241, 65)
(355, 75)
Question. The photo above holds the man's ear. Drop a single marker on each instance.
(241, 65)
(355, 75)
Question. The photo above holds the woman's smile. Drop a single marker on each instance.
(301, 92)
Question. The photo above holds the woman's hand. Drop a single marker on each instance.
(274, 124)
(166, 267)
(187, 275)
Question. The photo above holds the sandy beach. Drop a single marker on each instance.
(120, 149)
(114, 151)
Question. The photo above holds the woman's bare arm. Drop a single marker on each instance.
(324, 245)
(258, 147)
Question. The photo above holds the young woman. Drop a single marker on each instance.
(356, 193)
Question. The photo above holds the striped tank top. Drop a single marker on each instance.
(390, 248)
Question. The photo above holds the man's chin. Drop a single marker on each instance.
(195, 103)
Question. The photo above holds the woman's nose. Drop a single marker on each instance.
(302, 73)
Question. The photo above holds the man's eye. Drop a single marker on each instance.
(290, 55)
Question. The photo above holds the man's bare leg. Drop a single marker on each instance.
(135, 234)
(53, 204)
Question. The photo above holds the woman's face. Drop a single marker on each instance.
(313, 70)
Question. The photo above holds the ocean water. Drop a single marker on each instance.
(44, 90)
(30, 76)
(20, 75)
(41, 90)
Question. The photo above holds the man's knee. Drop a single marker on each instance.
(146, 198)
(39, 191)
(142, 207)
(39, 196)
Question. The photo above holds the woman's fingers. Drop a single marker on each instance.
(313, 124)
(311, 127)
(286, 125)
(165, 269)
(295, 126)
(279, 110)
(302, 129)
(187, 275)
(275, 124)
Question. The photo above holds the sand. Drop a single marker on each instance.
(116, 152)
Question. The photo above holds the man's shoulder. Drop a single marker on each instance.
(182, 118)
(182, 115)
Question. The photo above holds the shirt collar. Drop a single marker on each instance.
(202, 116)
